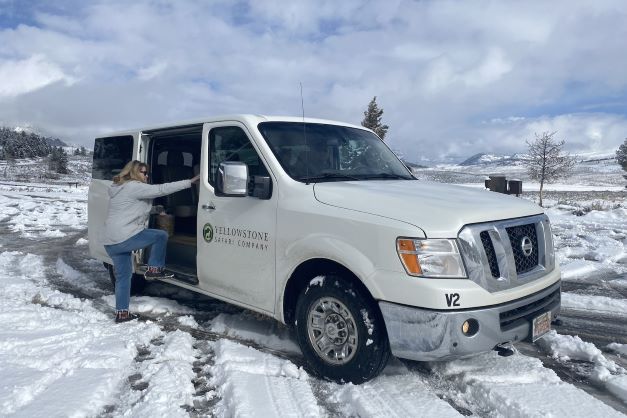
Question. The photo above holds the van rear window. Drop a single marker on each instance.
(110, 156)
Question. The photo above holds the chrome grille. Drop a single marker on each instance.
(494, 254)
(518, 235)
(489, 252)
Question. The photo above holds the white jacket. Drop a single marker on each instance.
(129, 207)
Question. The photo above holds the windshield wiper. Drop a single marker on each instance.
(327, 177)
(386, 176)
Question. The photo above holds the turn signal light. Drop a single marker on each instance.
(434, 257)
(407, 251)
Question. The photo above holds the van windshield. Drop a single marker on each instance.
(314, 152)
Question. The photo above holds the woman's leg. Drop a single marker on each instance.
(156, 238)
(159, 241)
(123, 269)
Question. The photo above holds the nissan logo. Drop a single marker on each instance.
(526, 246)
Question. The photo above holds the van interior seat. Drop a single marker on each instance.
(184, 203)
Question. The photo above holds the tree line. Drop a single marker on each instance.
(23, 144)
(17, 145)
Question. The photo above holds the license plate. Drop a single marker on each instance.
(540, 325)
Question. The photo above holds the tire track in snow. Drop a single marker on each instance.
(577, 373)
(279, 392)
(251, 384)
(444, 389)
(518, 386)
(58, 354)
(386, 390)
(161, 380)
(395, 393)
(596, 327)
(385, 396)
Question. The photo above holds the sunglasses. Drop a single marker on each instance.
(145, 173)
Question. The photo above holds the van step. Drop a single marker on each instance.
(183, 274)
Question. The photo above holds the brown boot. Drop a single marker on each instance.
(124, 316)
(154, 273)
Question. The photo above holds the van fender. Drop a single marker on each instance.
(323, 247)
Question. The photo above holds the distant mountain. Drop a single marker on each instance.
(29, 129)
(516, 159)
(595, 156)
(56, 142)
(413, 165)
(484, 159)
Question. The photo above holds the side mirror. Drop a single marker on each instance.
(232, 179)
(262, 187)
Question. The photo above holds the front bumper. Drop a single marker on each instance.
(427, 335)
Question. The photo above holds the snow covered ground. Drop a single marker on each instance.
(62, 355)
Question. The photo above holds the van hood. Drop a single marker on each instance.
(439, 209)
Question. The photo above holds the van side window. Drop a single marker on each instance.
(230, 143)
(110, 156)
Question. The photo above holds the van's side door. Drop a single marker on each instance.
(110, 155)
(236, 235)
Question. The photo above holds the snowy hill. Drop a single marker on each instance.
(36, 170)
(592, 171)
(482, 159)
(486, 159)
(31, 130)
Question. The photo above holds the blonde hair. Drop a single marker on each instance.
(131, 171)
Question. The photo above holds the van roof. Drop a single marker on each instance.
(244, 118)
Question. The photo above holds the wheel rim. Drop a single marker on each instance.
(332, 331)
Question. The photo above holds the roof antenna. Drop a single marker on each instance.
(302, 102)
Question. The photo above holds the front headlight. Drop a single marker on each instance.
(431, 257)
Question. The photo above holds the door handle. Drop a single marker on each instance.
(208, 207)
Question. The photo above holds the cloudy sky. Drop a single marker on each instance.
(453, 77)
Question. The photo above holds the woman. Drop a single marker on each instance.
(130, 203)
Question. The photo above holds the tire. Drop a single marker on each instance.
(352, 344)
(137, 281)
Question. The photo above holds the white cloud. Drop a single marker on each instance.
(582, 132)
(491, 69)
(440, 69)
(23, 76)
(152, 71)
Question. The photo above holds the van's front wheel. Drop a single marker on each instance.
(137, 281)
(340, 331)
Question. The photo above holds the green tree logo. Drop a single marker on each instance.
(207, 232)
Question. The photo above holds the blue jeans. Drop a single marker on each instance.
(123, 263)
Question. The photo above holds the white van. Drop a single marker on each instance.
(319, 225)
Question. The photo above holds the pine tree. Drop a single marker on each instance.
(546, 160)
(58, 161)
(62, 164)
(621, 155)
(52, 159)
(372, 119)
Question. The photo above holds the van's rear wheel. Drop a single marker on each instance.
(137, 281)
(340, 331)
